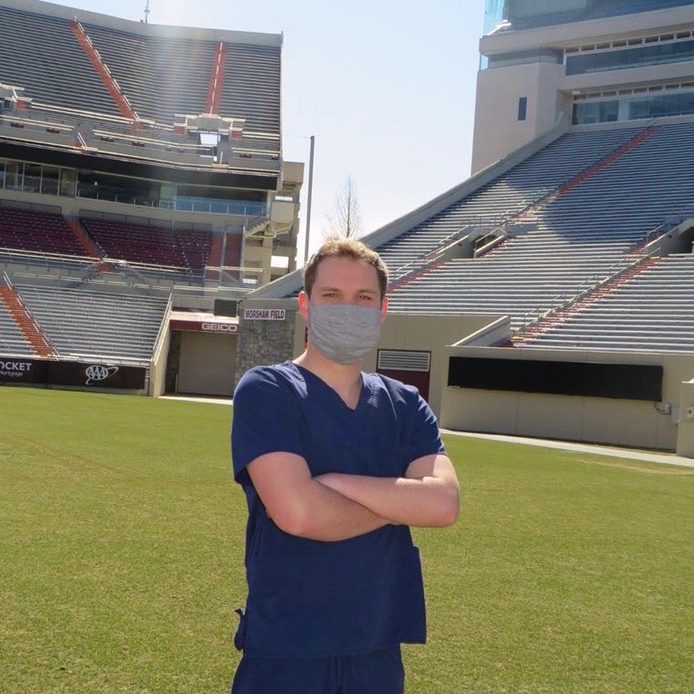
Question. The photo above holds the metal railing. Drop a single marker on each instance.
(584, 289)
(414, 266)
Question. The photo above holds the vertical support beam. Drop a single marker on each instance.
(309, 198)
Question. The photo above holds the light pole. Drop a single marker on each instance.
(309, 196)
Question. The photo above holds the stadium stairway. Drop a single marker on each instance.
(216, 250)
(214, 95)
(606, 161)
(83, 238)
(104, 73)
(24, 320)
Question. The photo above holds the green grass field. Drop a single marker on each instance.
(121, 559)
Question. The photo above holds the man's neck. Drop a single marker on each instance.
(344, 379)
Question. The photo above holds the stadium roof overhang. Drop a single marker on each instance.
(176, 173)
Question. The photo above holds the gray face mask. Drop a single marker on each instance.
(342, 332)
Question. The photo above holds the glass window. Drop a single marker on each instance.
(522, 108)
(32, 178)
(540, 55)
(587, 112)
(525, 14)
(493, 14)
(654, 54)
(49, 180)
(611, 110)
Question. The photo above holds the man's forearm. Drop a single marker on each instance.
(329, 516)
(425, 502)
(301, 506)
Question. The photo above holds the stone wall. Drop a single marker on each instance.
(266, 332)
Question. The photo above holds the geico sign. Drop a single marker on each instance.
(15, 365)
(98, 372)
(219, 327)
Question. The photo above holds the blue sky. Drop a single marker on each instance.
(387, 87)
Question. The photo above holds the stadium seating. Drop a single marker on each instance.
(37, 231)
(150, 244)
(40, 54)
(582, 237)
(12, 340)
(652, 311)
(252, 87)
(83, 323)
(504, 197)
(160, 77)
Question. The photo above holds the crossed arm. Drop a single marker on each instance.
(338, 506)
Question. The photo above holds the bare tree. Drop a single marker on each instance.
(346, 218)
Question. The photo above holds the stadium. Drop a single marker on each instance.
(142, 193)
(153, 239)
(148, 243)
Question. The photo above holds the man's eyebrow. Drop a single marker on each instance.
(327, 288)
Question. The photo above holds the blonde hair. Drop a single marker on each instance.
(338, 247)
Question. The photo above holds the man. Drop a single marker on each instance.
(336, 465)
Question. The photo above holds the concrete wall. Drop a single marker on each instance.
(206, 364)
(157, 371)
(597, 420)
(685, 430)
(427, 334)
(497, 128)
(421, 333)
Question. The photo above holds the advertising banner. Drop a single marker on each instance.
(86, 375)
(69, 373)
(201, 326)
(21, 370)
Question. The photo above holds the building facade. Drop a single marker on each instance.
(543, 62)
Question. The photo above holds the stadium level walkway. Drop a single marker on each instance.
(629, 453)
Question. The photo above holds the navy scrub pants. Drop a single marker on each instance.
(378, 672)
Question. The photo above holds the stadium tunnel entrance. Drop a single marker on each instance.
(201, 354)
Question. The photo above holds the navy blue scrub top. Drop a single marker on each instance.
(321, 599)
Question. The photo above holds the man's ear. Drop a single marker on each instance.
(303, 305)
(384, 308)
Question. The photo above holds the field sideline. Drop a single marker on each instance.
(121, 559)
